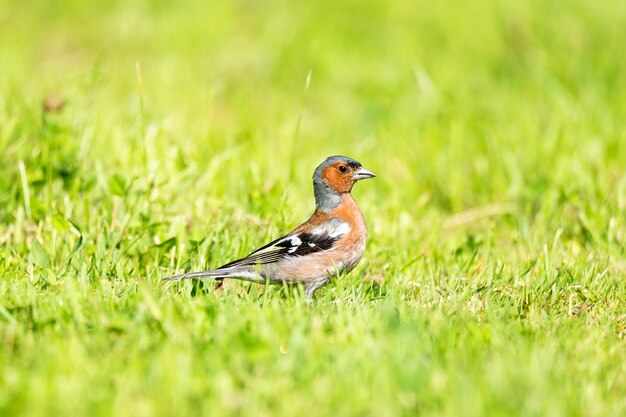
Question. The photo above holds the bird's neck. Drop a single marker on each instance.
(326, 199)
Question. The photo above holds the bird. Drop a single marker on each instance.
(330, 243)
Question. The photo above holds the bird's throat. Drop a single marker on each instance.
(326, 199)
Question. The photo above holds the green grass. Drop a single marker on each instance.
(494, 282)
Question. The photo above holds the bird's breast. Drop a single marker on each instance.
(352, 245)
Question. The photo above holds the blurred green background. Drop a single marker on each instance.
(141, 138)
(494, 95)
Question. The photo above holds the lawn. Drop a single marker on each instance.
(139, 139)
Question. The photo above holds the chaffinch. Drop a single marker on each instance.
(330, 242)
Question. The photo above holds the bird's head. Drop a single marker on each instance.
(335, 176)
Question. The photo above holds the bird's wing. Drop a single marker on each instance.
(296, 243)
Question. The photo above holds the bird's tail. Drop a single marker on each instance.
(213, 274)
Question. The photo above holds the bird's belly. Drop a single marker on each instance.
(314, 267)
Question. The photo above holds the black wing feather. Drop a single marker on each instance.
(284, 247)
(310, 243)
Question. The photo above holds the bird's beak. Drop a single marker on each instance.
(362, 173)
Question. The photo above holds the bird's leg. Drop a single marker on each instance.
(308, 294)
(219, 284)
(309, 290)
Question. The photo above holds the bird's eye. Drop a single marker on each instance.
(343, 168)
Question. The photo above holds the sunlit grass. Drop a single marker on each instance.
(140, 139)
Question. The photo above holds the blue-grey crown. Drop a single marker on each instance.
(331, 160)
